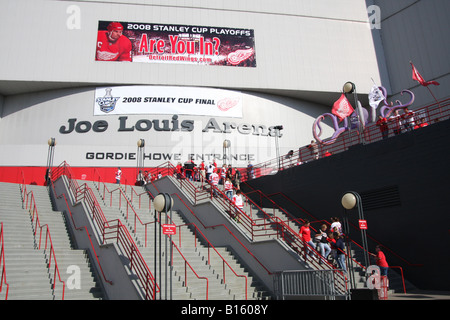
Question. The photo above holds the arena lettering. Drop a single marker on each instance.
(216, 156)
(110, 156)
(165, 125)
(131, 156)
(174, 124)
(242, 128)
(84, 126)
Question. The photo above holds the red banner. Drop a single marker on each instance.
(418, 77)
(342, 108)
(161, 43)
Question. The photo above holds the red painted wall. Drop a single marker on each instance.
(36, 175)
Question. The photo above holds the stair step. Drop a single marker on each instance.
(26, 267)
(194, 252)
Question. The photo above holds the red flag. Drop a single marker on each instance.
(416, 76)
(342, 108)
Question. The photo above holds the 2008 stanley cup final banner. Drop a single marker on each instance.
(163, 43)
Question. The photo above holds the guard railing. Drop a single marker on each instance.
(3, 281)
(430, 115)
(268, 225)
(29, 202)
(111, 230)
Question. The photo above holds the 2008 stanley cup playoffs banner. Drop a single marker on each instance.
(163, 43)
(168, 100)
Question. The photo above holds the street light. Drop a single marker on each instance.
(226, 145)
(350, 87)
(51, 152)
(163, 202)
(140, 161)
(277, 147)
(350, 201)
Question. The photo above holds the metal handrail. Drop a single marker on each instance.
(280, 228)
(3, 263)
(262, 195)
(35, 218)
(433, 113)
(309, 283)
(105, 189)
(210, 245)
(284, 231)
(121, 194)
(213, 226)
(122, 234)
(80, 228)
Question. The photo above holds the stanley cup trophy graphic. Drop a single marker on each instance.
(108, 102)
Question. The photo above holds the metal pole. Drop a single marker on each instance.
(154, 252)
(360, 116)
(277, 147)
(349, 249)
(171, 262)
(50, 155)
(167, 205)
(165, 254)
(363, 231)
(160, 276)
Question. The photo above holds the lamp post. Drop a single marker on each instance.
(163, 202)
(351, 200)
(140, 161)
(350, 87)
(277, 147)
(226, 145)
(51, 152)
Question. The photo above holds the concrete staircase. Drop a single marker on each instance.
(194, 252)
(262, 228)
(27, 269)
(357, 254)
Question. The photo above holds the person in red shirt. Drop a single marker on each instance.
(305, 235)
(112, 45)
(228, 187)
(202, 171)
(179, 170)
(424, 123)
(420, 123)
(382, 124)
(239, 203)
(408, 119)
(118, 175)
(214, 180)
(381, 261)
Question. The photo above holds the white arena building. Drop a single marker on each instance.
(191, 74)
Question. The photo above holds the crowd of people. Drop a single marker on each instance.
(208, 172)
(400, 122)
(228, 178)
(329, 244)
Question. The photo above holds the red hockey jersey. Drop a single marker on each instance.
(112, 51)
